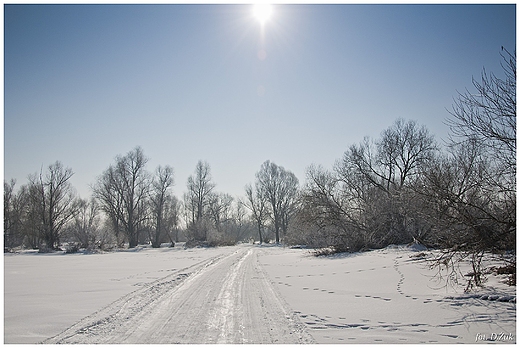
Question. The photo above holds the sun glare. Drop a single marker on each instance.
(262, 12)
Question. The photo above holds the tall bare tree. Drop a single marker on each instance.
(54, 197)
(279, 188)
(122, 190)
(366, 200)
(472, 190)
(199, 188)
(110, 198)
(196, 200)
(258, 207)
(160, 197)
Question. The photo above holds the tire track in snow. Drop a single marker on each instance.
(223, 314)
(224, 300)
(96, 327)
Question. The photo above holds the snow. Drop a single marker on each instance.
(382, 296)
(46, 293)
(385, 296)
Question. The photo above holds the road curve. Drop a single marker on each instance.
(227, 299)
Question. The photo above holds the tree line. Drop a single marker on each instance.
(401, 187)
(131, 206)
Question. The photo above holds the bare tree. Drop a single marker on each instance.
(366, 200)
(258, 207)
(29, 206)
(9, 214)
(54, 197)
(122, 190)
(380, 177)
(199, 188)
(239, 226)
(110, 198)
(85, 224)
(489, 115)
(15, 205)
(325, 217)
(279, 188)
(159, 198)
(220, 209)
(487, 119)
(468, 217)
(395, 158)
(171, 218)
(402, 149)
(196, 200)
(471, 191)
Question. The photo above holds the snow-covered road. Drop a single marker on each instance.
(226, 299)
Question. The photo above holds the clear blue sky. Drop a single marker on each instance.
(83, 84)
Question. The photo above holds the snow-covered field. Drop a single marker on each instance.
(251, 294)
(386, 296)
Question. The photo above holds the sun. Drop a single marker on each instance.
(262, 12)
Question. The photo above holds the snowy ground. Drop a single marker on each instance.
(250, 294)
(386, 296)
